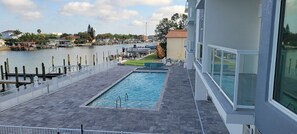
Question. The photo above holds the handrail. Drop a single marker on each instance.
(118, 99)
(126, 97)
(232, 50)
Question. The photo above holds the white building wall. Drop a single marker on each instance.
(232, 23)
(175, 48)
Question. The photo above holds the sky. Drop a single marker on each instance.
(73, 16)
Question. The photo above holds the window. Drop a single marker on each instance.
(285, 75)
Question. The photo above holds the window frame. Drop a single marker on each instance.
(278, 12)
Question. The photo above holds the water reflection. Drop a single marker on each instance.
(33, 59)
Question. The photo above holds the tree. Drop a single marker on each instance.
(18, 32)
(38, 31)
(182, 21)
(64, 35)
(10, 42)
(162, 29)
(0, 36)
(84, 38)
(51, 36)
(177, 21)
(91, 31)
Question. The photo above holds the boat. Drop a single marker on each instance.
(23, 46)
(64, 43)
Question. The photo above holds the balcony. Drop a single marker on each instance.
(234, 73)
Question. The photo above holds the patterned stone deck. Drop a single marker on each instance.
(62, 109)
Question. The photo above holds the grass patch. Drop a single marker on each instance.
(149, 58)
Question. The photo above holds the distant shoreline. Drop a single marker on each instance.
(5, 48)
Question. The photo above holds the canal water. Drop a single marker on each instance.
(33, 59)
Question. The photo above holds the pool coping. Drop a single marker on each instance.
(158, 104)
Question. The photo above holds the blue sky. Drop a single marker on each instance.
(72, 16)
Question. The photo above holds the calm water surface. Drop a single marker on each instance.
(33, 59)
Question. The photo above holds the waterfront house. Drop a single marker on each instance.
(64, 43)
(2, 42)
(175, 44)
(72, 38)
(245, 60)
(10, 34)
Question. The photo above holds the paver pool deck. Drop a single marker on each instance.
(177, 113)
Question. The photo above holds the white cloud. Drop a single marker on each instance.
(30, 15)
(143, 2)
(78, 8)
(167, 12)
(137, 23)
(103, 9)
(25, 8)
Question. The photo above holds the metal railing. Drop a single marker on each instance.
(70, 68)
(5, 129)
(234, 72)
(14, 96)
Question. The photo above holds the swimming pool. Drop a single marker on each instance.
(138, 90)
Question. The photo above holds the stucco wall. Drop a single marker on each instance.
(175, 48)
(269, 119)
(232, 23)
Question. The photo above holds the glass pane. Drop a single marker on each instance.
(247, 80)
(285, 91)
(217, 66)
(210, 61)
(228, 77)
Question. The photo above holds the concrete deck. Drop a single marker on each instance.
(211, 120)
(62, 109)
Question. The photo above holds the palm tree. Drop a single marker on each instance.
(38, 31)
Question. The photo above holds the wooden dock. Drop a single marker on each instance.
(14, 82)
(49, 75)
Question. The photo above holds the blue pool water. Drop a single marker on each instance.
(143, 90)
(227, 84)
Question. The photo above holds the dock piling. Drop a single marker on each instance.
(103, 57)
(7, 65)
(64, 63)
(97, 58)
(5, 70)
(53, 64)
(79, 66)
(2, 78)
(69, 68)
(43, 72)
(16, 78)
(36, 70)
(24, 72)
(80, 60)
(86, 61)
(65, 70)
(94, 59)
(77, 59)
